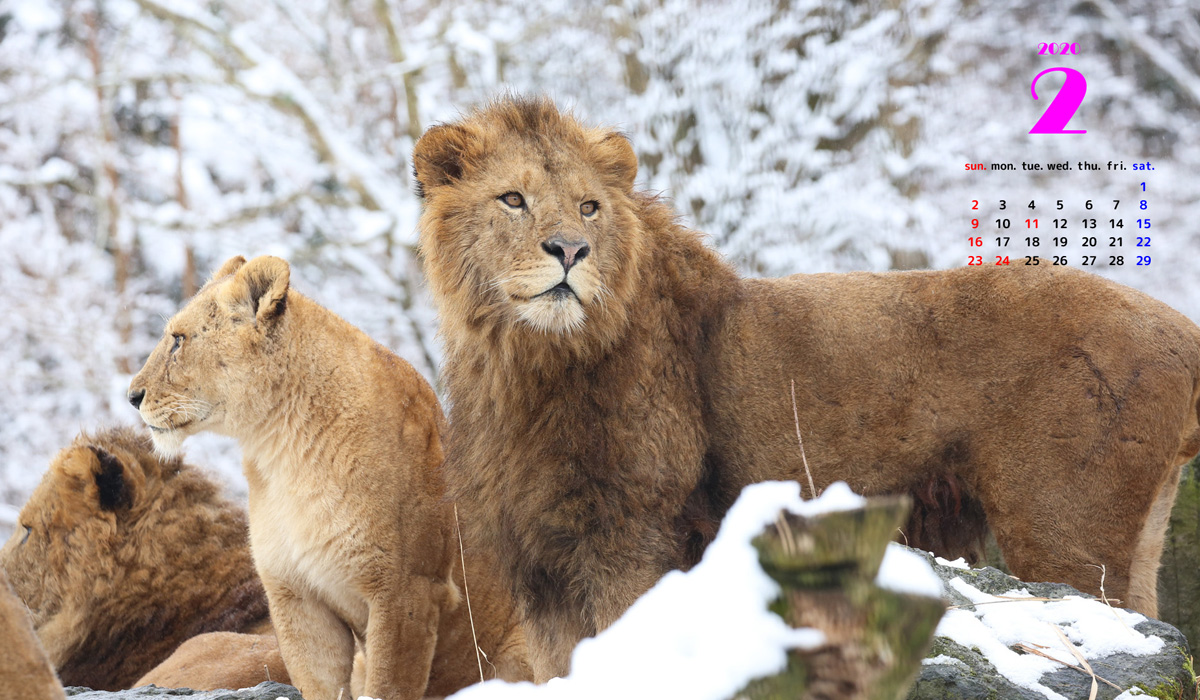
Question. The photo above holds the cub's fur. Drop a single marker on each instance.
(614, 384)
(122, 554)
(350, 528)
(25, 673)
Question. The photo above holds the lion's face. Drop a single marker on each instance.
(210, 358)
(524, 230)
(70, 530)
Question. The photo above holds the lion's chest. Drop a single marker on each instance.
(298, 534)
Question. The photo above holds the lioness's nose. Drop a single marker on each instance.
(135, 397)
(567, 252)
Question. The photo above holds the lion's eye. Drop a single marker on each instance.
(178, 341)
(589, 208)
(27, 531)
(513, 199)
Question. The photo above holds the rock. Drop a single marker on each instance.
(263, 691)
(951, 670)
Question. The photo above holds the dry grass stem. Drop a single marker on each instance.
(786, 536)
(1006, 600)
(1082, 661)
(467, 594)
(1030, 650)
(812, 490)
(1104, 597)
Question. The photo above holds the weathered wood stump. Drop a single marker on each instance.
(874, 638)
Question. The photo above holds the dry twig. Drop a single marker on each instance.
(467, 594)
(812, 490)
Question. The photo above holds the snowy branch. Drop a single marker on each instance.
(264, 77)
(1152, 50)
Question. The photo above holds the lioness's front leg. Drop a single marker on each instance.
(317, 647)
(402, 632)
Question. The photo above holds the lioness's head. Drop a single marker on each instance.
(71, 532)
(118, 550)
(528, 223)
(214, 356)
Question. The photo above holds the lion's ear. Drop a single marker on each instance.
(439, 156)
(263, 283)
(616, 159)
(114, 488)
(231, 266)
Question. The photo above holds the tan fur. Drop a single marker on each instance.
(128, 554)
(220, 660)
(25, 672)
(349, 526)
(600, 432)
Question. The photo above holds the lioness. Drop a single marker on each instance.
(349, 526)
(614, 384)
(122, 554)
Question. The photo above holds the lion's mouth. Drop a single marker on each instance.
(558, 291)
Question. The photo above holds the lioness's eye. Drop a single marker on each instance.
(513, 199)
(589, 208)
(178, 341)
(27, 531)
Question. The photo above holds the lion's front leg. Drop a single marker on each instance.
(401, 637)
(316, 645)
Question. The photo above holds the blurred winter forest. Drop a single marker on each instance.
(144, 141)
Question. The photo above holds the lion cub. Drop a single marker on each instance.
(341, 442)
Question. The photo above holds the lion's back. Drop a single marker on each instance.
(893, 371)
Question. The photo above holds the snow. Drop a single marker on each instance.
(1095, 629)
(903, 571)
(700, 635)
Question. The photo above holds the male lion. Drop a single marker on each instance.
(614, 384)
(122, 554)
(25, 673)
(349, 525)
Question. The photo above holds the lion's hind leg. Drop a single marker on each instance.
(1147, 555)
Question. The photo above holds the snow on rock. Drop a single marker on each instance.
(704, 634)
(904, 571)
(981, 645)
(1095, 629)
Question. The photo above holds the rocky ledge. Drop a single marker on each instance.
(262, 691)
(998, 653)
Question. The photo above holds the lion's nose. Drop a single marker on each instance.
(135, 397)
(567, 252)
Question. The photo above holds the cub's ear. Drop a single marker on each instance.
(615, 158)
(114, 488)
(440, 156)
(231, 266)
(263, 284)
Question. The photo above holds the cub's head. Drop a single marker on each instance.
(214, 355)
(73, 533)
(529, 225)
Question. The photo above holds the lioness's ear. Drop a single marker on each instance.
(113, 486)
(263, 282)
(438, 157)
(231, 266)
(616, 159)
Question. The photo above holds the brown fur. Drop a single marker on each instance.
(597, 433)
(25, 672)
(220, 660)
(350, 528)
(128, 555)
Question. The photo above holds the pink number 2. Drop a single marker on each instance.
(1064, 105)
